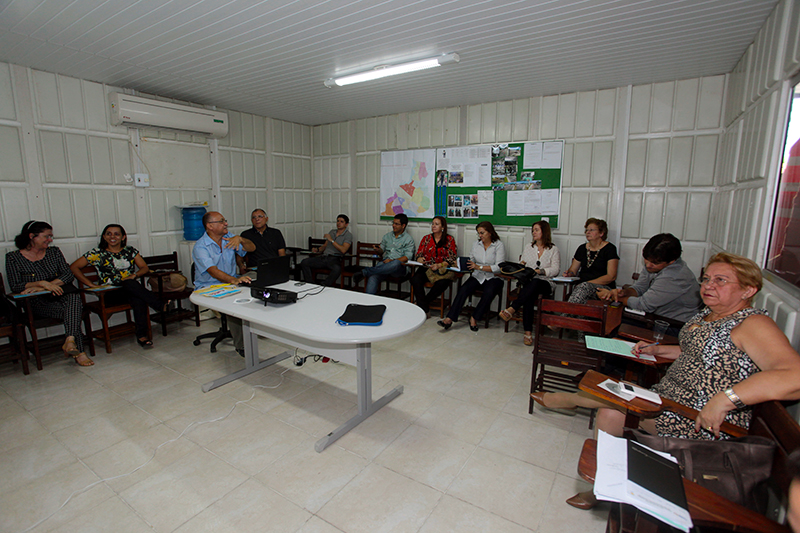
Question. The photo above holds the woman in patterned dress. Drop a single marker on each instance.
(38, 267)
(436, 250)
(120, 264)
(731, 356)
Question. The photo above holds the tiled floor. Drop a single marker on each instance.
(457, 451)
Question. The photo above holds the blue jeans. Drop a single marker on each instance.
(375, 275)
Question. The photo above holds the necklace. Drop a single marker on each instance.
(591, 256)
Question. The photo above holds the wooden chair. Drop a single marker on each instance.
(708, 510)
(33, 323)
(365, 256)
(490, 314)
(443, 302)
(11, 329)
(511, 295)
(161, 266)
(315, 243)
(562, 354)
(104, 310)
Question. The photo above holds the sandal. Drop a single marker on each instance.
(527, 340)
(145, 343)
(70, 349)
(85, 359)
(505, 315)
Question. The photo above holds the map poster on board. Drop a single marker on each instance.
(407, 183)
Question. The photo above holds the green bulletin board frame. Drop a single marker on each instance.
(550, 178)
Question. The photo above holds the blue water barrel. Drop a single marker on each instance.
(193, 222)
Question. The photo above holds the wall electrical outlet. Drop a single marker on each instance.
(141, 180)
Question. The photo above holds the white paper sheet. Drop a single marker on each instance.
(551, 154)
(486, 202)
(532, 156)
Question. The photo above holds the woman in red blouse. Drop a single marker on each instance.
(437, 251)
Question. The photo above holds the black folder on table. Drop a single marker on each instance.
(362, 315)
(656, 474)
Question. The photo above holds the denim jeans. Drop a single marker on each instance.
(375, 275)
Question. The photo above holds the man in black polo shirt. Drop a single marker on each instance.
(269, 241)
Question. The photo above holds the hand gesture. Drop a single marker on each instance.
(233, 242)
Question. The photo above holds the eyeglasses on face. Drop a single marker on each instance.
(717, 281)
(220, 221)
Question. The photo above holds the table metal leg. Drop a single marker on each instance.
(251, 360)
(366, 407)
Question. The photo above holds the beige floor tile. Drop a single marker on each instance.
(124, 461)
(559, 517)
(411, 404)
(568, 466)
(459, 419)
(311, 479)
(32, 460)
(81, 406)
(250, 507)
(503, 368)
(508, 487)
(8, 406)
(182, 397)
(392, 364)
(345, 384)
(318, 525)
(527, 440)
(314, 412)
(426, 456)
(267, 393)
(18, 429)
(455, 515)
(431, 376)
(374, 434)
(147, 384)
(379, 500)
(39, 393)
(173, 495)
(106, 429)
(119, 365)
(265, 440)
(36, 501)
(458, 359)
(483, 390)
(204, 420)
(109, 515)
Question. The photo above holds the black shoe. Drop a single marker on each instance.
(473, 328)
(444, 324)
(357, 277)
(240, 351)
(146, 343)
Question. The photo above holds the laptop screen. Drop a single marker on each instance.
(272, 271)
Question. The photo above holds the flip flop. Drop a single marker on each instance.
(505, 315)
(527, 340)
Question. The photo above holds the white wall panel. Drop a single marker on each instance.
(78, 158)
(709, 109)
(567, 104)
(601, 164)
(698, 217)
(15, 211)
(636, 163)
(474, 124)
(704, 160)
(585, 114)
(121, 158)
(675, 214)
(791, 60)
(686, 96)
(657, 161)
(737, 87)
(104, 205)
(582, 165)
(60, 213)
(661, 114)
(83, 202)
(100, 160)
(652, 213)
(412, 131)
(72, 102)
(425, 128)
(7, 105)
(567, 171)
(548, 118)
(46, 98)
(680, 161)
(631, 215)
(11, 168)
(504, 122)
(605, 112)
(54, 161)
(640, 109)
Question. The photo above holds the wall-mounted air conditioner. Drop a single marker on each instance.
(136, 112)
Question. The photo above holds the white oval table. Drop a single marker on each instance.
(310, 324)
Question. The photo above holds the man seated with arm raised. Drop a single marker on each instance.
(666, 286)
(337, 243)
(214, 257)
(397, 247)
(268, 241)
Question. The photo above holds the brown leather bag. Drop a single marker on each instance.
(736, 469)
(174, 282)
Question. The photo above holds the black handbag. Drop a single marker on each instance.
(518, 271)
(737, 469)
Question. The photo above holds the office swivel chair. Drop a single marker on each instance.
(220, 335)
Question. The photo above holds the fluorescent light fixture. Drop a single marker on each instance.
(392, 70)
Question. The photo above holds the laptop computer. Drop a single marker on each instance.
(272, 272)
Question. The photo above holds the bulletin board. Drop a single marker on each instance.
(513, 184)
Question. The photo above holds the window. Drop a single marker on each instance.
(783, 257)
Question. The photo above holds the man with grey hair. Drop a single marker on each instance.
(268, 241)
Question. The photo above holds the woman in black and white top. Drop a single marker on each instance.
(38, 267)
(543, 257)
(595, 263)
(485, 259)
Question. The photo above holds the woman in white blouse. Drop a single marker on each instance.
(543, 257)
(485, 259)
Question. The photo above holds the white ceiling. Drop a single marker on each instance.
(271, 57)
